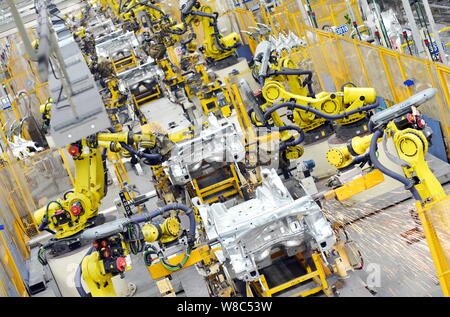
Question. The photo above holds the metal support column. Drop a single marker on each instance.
(415, 31)
(304, 15)
(435, 32)
(21, 28)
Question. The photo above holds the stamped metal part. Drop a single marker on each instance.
(217, 143)
(251, 231)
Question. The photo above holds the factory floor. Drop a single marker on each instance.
(392, 266)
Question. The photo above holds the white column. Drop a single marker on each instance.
(415, 31)
(435, 31)
(304, 14)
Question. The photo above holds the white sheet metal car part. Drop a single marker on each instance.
(251, 231)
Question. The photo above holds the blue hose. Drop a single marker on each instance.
(409, 183)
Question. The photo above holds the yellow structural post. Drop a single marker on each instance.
(361, 60)
(437, 252)
(389, 77)
(8, 260)
(402, 72)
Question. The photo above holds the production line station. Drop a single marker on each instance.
(195, 148)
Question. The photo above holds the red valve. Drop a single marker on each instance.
(410, 118)
(121, 264)
(421, 123)
(75, 210)
(74, 150)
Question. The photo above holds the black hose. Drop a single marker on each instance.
(78, 275)
(409, 183)
(296, 72)
(105, 170)
(216, 29)
(294, 105)
(180, 32)
(299, 140)
(153, 158)
(145, 3)
(189, 40)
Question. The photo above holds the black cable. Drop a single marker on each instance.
(216, 29)
(296, 72)
(53, 70)
(78, 275)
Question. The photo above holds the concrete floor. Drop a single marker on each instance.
(392, 267)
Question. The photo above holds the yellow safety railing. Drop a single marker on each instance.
(335, 12)
(435, 219)
(9, 272)
(338, 60)
(240, 20)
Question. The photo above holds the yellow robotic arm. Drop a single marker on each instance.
(76, 210)
(114, 241)
(216, 47)
(335, 106)
(410, 134)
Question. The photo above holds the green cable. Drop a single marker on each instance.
(347, 83)
(178, 266)
(48, 205)
(146, 253)
(40, 259)
(133, 250)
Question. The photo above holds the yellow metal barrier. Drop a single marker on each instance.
(10, 271)
(318, 276)
(338, 60)
(435, 219)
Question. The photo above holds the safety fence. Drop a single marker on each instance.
(338, 60)
(12, 268)
(337, 13)
(435, 218)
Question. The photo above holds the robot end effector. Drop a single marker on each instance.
(411, 137)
